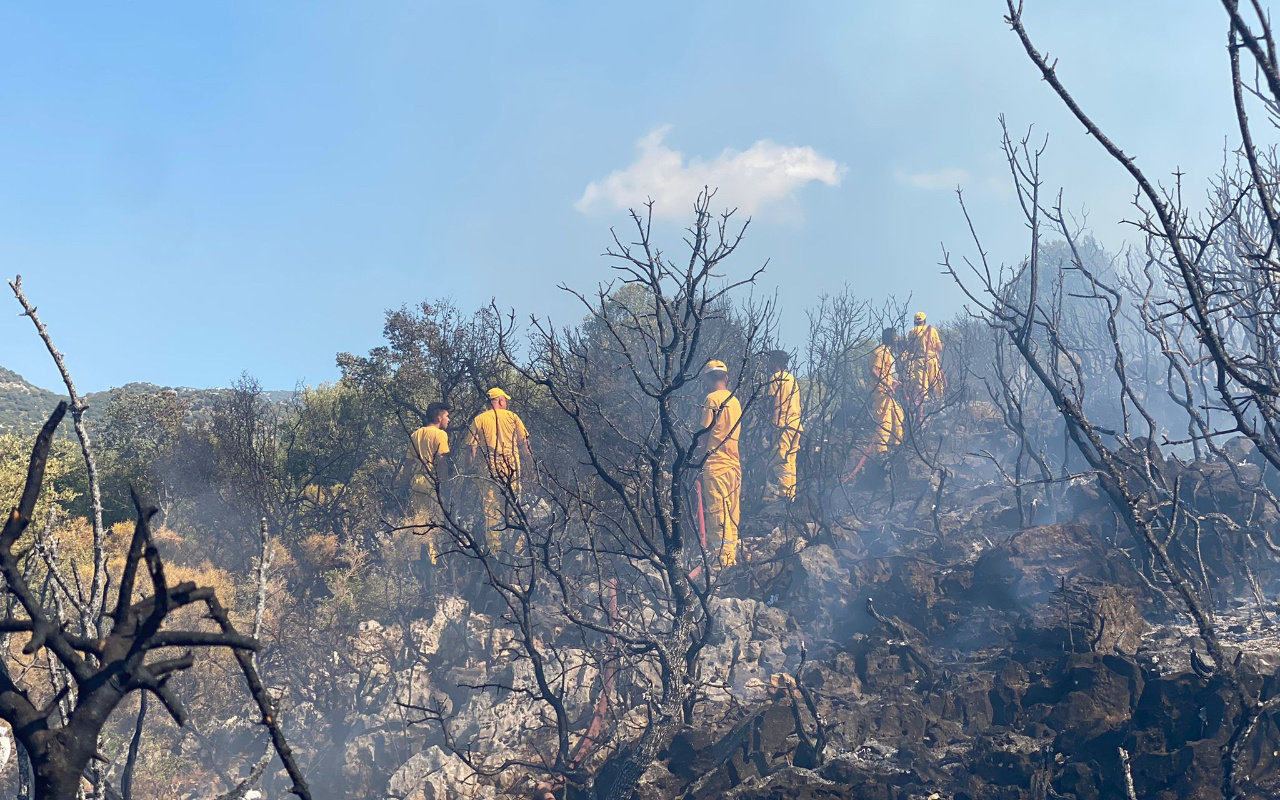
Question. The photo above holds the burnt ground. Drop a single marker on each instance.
(977, 660)
(954, 653)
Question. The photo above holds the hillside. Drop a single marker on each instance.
(25, 406)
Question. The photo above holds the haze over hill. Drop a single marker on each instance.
(25, 406)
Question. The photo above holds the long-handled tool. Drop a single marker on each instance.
(591, 738)
(702, 527)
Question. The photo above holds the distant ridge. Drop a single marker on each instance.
(24, 406)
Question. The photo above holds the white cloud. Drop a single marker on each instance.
(945, 178)
(747, 179)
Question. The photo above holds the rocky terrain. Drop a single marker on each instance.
(898, 651)
(976, 660)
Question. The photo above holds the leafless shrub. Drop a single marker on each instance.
(604, 560)
(59, 728)
(1203, 295)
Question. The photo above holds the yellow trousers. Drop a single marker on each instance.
(721, 487)
(924, 379)
(887, 415)
(496, 503)
(784, 462)
(425, 518)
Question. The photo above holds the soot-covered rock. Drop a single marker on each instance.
(963, 668)
(753, 750)
(1036, 561)
(820, 591)
(1072, 591)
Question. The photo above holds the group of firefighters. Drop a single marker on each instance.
(924, 380)
(499, 437)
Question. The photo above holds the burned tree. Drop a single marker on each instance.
(1204, 294)
(92, 606)
(139, 652)
(1147, 491)
(94, 653)
(605, 569)
(843, 331)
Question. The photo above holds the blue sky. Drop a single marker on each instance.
(195, 190)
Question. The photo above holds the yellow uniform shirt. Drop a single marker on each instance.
(786, 400)
(924, 368)
(425, 444)
(498, 433)
(722, 413)
(923, 342)
(885, 411)
(883, 380)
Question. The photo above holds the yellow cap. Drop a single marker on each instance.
(495, 393)
(919, 316)
(716, 366)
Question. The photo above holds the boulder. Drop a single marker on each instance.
(820, 591)
(1099, 695)
(435, 774)
(754, 749)
(751, 641)
(1071, 590)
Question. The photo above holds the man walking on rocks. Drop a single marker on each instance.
(785, 393)
(886, 414)
(428, 470)
(501, 435)
(722, 471)
(924, 364)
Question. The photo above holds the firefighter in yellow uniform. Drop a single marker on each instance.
(785, 394)
(427, 466)
(885, 411)
(500, 435)
(924, 363)
(722, 470)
